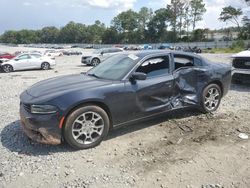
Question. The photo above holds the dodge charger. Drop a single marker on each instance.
(81, 109)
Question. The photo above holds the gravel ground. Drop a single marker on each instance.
(180, 149)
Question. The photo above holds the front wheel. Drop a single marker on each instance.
(45, 66)
(95, 62)
(86, 127)
(211, 98)
(7, 68)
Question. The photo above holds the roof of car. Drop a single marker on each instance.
(144, 53)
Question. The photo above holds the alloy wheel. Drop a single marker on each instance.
(212, 99)
(87, 128)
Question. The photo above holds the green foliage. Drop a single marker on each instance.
(231, 14)
(245, 31)
(197, 11)
(169, 24)
(238, 45)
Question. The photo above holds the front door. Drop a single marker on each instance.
(152, 95)
(22, 62)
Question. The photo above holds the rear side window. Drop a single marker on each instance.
(114, 50)
(154, 67)
(183, 61)
(35, 55)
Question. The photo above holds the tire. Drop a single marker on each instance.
(45, 66)
(95, 62)
(7, 68)
(211, 98)
(86, 127)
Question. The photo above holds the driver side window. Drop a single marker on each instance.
(156, 66)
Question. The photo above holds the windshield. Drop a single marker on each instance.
(115, 67)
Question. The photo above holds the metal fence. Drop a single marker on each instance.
(202, 45)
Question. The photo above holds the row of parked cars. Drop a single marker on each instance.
(35, 60)
(240, 61)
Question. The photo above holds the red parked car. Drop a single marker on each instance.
(6, 56)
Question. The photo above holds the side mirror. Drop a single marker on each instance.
(102, 53)
(16, 59)
(138, 76)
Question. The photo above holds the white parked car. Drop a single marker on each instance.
(28, 61)
(241, 67)
(99, 55)
(53, 53)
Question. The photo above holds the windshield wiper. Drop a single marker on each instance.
(94, 75)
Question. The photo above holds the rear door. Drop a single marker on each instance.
(190, 76)
(35, 61)
(152, 95)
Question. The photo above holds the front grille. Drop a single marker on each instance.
(27, 107)
(85, 57)
(242, 63)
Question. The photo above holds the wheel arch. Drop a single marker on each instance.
(45, 62)
(13, 67)
(219, 83)
(85, 103)
(95, 58)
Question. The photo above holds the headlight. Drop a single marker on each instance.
(43, 109)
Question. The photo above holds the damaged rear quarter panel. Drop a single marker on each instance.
(191, 81)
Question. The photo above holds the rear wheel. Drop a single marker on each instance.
(45, 66)
(211, 98)
(86, 127)
(7, 68)
(95, 62)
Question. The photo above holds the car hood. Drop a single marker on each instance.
(64, 84)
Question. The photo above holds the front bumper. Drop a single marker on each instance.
(86, 61)
(241, 71)
(41, 128)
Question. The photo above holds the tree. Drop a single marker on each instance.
(95, 32)
(197, 11)
(73, 33)
(231, 14)
(49, 35)
(127, 23)
(198, 35)
(187, 19)
(145, 15)
(157, 27)
(111, 36)
(246, 28)
(173, 10)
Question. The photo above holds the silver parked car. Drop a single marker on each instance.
(28, 61)
(99, 55)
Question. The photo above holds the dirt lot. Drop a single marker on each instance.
(180, 149)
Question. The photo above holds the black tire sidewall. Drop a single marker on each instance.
(92, 63)
(67, 130)
(44, 64)
(205, 90)
(6, 66)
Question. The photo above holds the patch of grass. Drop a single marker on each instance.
(236, 47)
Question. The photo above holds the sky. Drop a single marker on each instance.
(35, 14)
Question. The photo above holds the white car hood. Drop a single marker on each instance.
(242, 54)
